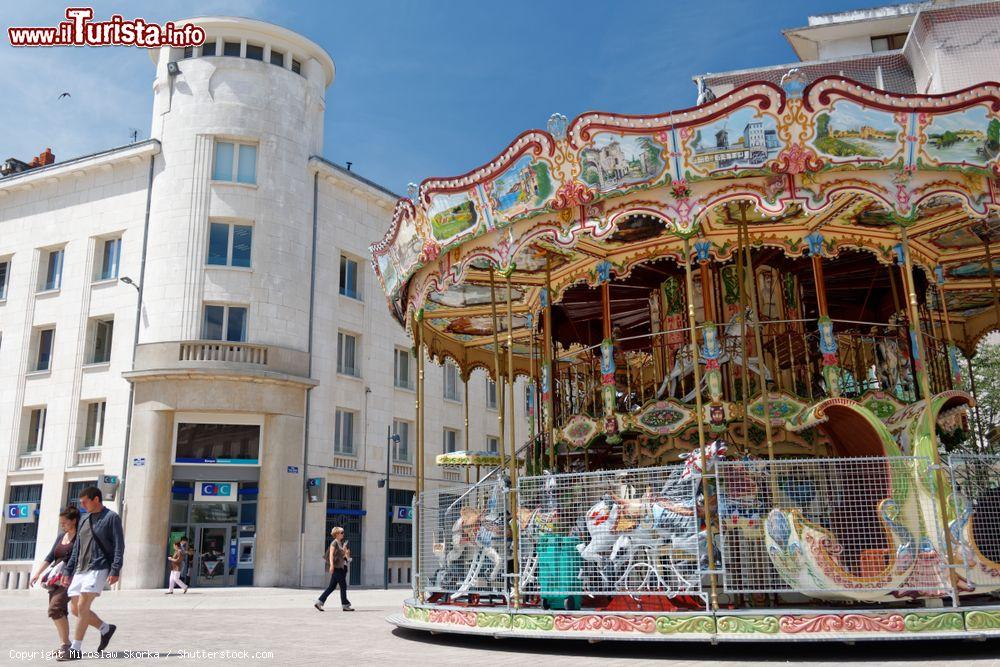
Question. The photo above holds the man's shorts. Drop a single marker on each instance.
(91, 581)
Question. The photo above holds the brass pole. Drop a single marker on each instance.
(765, 395)
(744, 373)
(498, 385)
(513, 446)
(465, 396)
(418, 339)
(701, 421)
(942, 482)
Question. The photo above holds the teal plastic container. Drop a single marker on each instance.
(558, 571)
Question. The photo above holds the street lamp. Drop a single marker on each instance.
(130, 282)
(390, 439)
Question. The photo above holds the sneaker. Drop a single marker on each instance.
(319, 606)
(347, 607)
(106, 637)
(168, 592)
(65, 654)
(184, 591)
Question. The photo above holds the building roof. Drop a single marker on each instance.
(140, 148)
(322, 161)
(886, 20)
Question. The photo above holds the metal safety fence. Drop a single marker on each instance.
(975, 481)
(464, 540)
(859, 528)
(630, 532)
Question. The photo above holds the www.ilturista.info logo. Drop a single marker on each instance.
(80, 30)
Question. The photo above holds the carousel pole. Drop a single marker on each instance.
(609, 389)
(765, 395)
(419, 340)
(465, 395)
(827, 341)
(692, 327)
(532, 394)
(992, 274)
(547, 383)
(498, 386)
(942, 481)
(512, 466)
(744, 375)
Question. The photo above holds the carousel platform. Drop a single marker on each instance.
(756, 625)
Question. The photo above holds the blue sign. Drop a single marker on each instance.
(402, 514)
(20, 513)
(293, 470)
(215, 491)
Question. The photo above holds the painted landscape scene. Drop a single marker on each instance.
(967, 137)
(745, 139)
(614, 160)
(451, 215)
(850, 130)
(523, 187)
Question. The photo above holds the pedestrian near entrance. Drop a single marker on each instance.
(96, 562)
(50, 572)
(176, 559)
(187, 554)
(338, 558)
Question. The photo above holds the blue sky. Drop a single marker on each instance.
(423, 88)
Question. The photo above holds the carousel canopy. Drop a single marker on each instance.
(833, 168)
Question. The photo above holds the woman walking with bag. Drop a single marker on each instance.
(338, 557)
(175, 569)
(51, 570)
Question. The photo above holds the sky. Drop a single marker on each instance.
(423, 89)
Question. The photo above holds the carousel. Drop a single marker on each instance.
(741, 330)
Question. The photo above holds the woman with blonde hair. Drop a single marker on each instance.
(59, 602)
(338, 556)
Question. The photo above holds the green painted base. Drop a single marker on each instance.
(788, 625)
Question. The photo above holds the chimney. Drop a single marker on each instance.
(44, 159)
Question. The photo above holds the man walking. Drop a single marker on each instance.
(96, 562)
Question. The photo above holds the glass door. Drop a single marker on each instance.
(211, 556)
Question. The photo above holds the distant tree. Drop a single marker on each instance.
(993, 134)
(986, 367)
(822, 125)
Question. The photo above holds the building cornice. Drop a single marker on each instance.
(334, 172)
(104, 159)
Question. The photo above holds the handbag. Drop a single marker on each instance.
(51, 576)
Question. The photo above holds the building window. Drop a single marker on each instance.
(492, 444)
(450, 440)
(347, 354)
(343, 439)
(73, 490)
(400, 534)
(208, 48)
(491, 394)
(218, 444)
(277, 58)
(93, 436)
(188, 52)
(53, 261)
(892, 42)
(401, 449)
(4, 273)
(36, 430)
(231, 49)
(402, 369)
(225, 323)
(450, 380)
(19, 542)
(43, 357)
(345, 508)
(110, 259)
(296, 66)
(349, 277)
(229, 245)
(255, 52)
(235, 162)
(103, 334)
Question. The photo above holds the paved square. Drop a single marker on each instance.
(281, 625)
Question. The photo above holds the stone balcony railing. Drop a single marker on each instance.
(31, 461)
(89, 457)
(345, 462)
(402, 469)
(213, 357)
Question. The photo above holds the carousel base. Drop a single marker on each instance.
(785, 625)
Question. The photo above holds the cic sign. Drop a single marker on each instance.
(402, 514)
(215, 491)
(21, 512)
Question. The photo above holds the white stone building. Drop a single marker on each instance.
(250, 345)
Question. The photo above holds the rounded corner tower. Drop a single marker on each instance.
(222, 363)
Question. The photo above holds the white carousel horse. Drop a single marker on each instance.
(627, 534)
(479, 531)
(893, 365)
(684, 366)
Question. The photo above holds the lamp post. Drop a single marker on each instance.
(390, 438)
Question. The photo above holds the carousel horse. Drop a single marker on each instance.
(533, 523)
(684, 366)
(892, 364)
(481, 531)
(627, 533)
